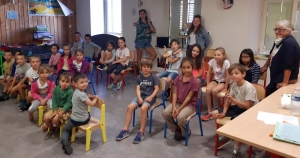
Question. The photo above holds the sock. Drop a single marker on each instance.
(236, 148)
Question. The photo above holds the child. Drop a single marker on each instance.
(80, 65)
(242, 96)
(32, 75)
(78, 44)
(121, 63)
(219, 65)
(80, 115)
(55, 56)
(65, 61)
(7, 66)
(41, 90)
(174, 57)
(185, 88)
(146, 91)
(199, 72)
(107, 56)
(91, 49)
(52, 73)
(61, 104)
(253, 69)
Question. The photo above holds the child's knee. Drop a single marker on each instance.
(214, 92)
(144, 108)
(47, 119)
(131, 107)
(165, 114)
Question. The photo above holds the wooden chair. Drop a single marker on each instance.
(264, 78)
(210, 54)
(93, 125)
(132, 58)
(261, 94)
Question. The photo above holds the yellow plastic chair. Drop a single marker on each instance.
(41, 114)
(93, 125)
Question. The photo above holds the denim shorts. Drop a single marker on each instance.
(201, 80)
(141, 44)
(171, 75)
(135, 101)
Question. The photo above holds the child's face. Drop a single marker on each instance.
(121, 43)
(236, 75)
(87, 39)
(7, 56)
(195, 52)
(146, 69)
(64, 82)
(196, 22)
(44, 74)
(175, 46)
(54, 49)
(82, 84)
(52, 70)
(66, 50)
(219, 56)
(245, 58)
(110, 47)
(186, 68)
(79, 56)
(35, 63)
(21, 60)
(77, 37)
(16, 54)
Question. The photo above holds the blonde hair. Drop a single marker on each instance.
(221, 49)
(286, 24)
(34, 57)
(44, 67)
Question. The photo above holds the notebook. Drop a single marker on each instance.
(287, 133)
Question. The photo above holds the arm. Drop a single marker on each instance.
(174, 97)
(34, 92)
(68, 103)
(22, 81)
(186, 100)
(138, 92)
(51, 86)
(227, 80)
(113, 52)
(4, 76)
(208, 74)
(256, 73)
(92, 101)
(173, 60)
(121, 60)
(265, 67)
(154, 94)
(54, 99)
(85, 66)
(59, 66)
(56, 59)
(50, 60)
(152, 28)
(97, 47)
(244, 105)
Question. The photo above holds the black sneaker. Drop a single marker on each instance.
(4, 97)
(236, 154)
(178, 135)
(102, 67)
(66, 146)
(223, 141)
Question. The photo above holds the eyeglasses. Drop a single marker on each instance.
(66, 49)
(244, 57)
(278, 29)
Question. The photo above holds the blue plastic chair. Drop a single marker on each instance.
(155, 105)
(198, 112)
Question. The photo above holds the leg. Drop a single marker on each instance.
(144, 110)
(130, 108)
(21, 90)
(102, 59)
(56, 121)
(209, 88)
(66, 144)
(29, 98)
(35, 104)
(167, 115)
(182, 118)
(48, 122)
(139, 52)
(215, 92)
(152, 52)
(118, 71)
(214, 114)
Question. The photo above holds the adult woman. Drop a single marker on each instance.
(78, 44)
(144, 28)
(198, 34)
(284, 58)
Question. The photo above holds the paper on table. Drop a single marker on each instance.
(288, 132)
(271, 118)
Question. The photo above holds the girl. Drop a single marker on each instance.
(198, 34)
(174, 57)
(121, 63)
(55, 56)
(80, 65)
(144, 29)
(185, 88)
(41, 90)
(253, 69)
(107, 56)
(65, 61)
(219, 66)
(199, 71)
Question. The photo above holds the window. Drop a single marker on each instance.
(97, 17)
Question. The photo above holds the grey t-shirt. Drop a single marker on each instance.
(147, 84)
(175, 66)
(245, 92)
(21, 71)
(79, 107)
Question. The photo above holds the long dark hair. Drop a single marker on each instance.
(112, 43)
(143, 10)
(198, 59)
(192, 27)
(63, 54)
(186, 59)
(249, 52)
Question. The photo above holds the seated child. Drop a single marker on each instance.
(61, 105)
(91, 49)
(242, 96)
(65, 61)
(41, 90)
(121, 63)
(174, 57)
(32, 75)
(146, 91)
(107, 56)
(253, 69)
(52, 73)
(55, 56)
(199, 71)
(184, 101)
(79, 64)
(80, 115)
(7, 66)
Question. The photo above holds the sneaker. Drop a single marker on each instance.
(223, 141)
(66, 146)
(236, 154)
(44, 127)
(4, 97)
(207, 117)
(139, 138)
(55, 135)
(102, 67)
(31, 117)
(122, 135)
(178, 136)
(49, 135)
(119, 85)
(110, 86)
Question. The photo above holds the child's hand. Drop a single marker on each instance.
(140, 101)
(54, 114)
(149, 21)
(114, 62)
(123, 63)
(224, 90)
(148, 99)
(43, 102)
(165, 48)
(61, 114)
(10, 89)
(219, 116)
(229, 97)
(177, 52)
(90, 96)
(174, 115)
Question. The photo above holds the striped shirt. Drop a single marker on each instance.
(255, 70)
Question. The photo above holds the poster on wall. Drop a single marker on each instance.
(12, 14)
(48, 8)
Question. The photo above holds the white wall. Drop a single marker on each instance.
(83, 17)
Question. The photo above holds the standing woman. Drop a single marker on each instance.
(284, 58)
(198, 35)
(144, 29)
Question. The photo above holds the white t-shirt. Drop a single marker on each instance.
(43, 89)
(175, 66)
(243, 93)
(192, 39)
(219, 73)
(32, 74)
(122, 53)
(78, 66)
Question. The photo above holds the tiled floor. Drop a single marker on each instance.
(21, 138)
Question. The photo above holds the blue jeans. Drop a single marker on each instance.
(171, 75)
(135, 101)
(117, 67)
(141, 44)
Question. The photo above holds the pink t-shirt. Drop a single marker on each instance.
(183, 89)
(196, 72)
(54, 59)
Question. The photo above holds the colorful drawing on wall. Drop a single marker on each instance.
(45, 8)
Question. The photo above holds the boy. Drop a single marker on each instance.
(7, 66)
(91, 49)
(78, 44)
(146, 91)
(242, 96)
(31, 74)
(61, 104)
(80, 115)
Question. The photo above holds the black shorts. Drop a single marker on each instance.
(218, 82)
(233, 111)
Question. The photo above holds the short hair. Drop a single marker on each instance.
(88, 35)
(176, 41)
(147, 62)
(189, 60)
(43, 67)
(21, 54)
(237, 66)
(78, 33)
(8, 52)
(80, 51)
(79, 75)
(65, 75)
(34, 57)
(286, 24)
